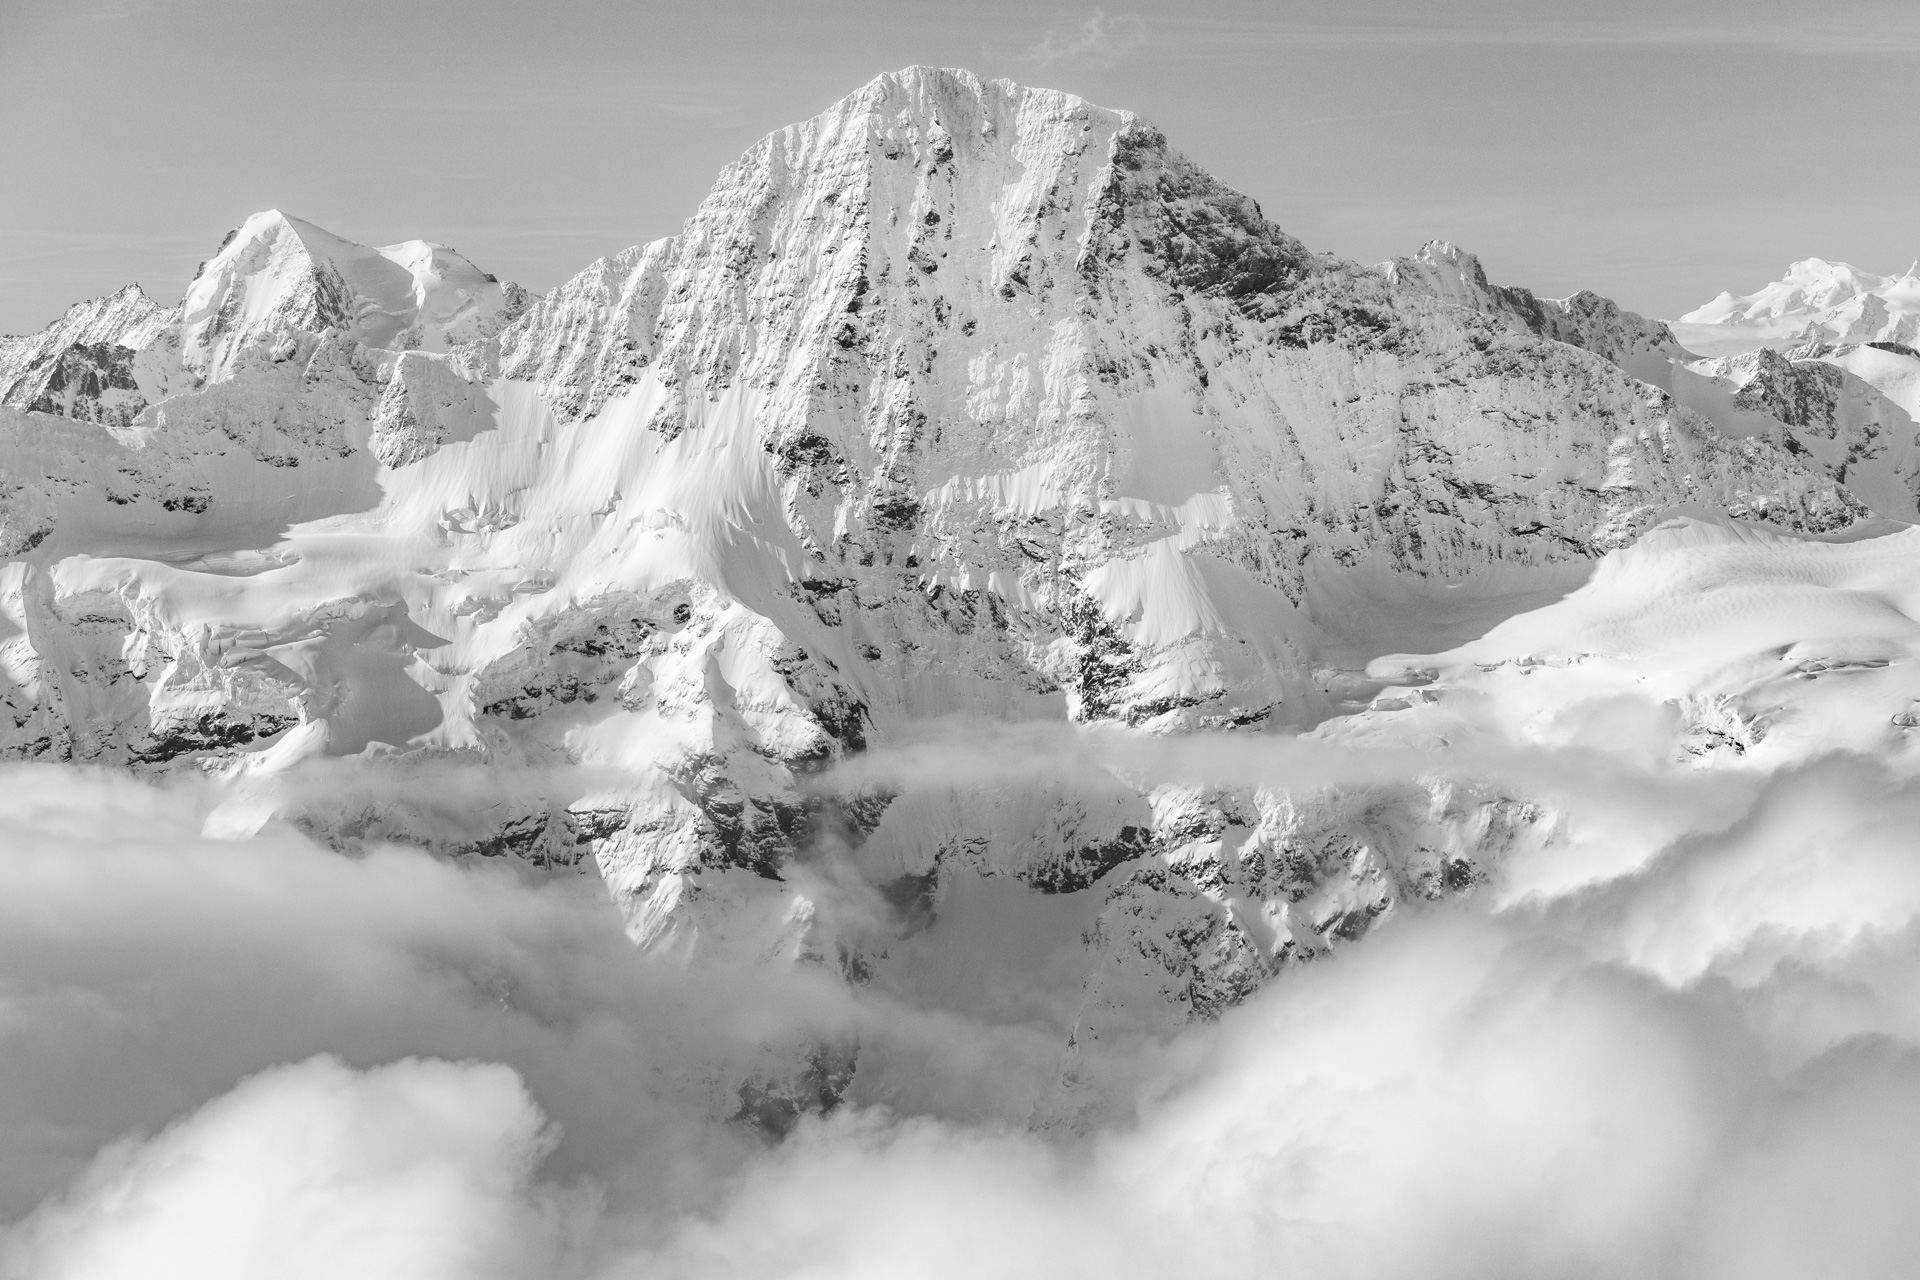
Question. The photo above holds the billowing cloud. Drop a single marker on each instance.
(312, 1171)
(1455, 1099)
(148, 968)
(1683, 1041)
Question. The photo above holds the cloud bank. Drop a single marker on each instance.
(1695, 1052)
(315, 1170)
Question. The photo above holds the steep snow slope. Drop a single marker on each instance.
(1816, 301)
(959, 399)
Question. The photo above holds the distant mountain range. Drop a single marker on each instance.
(1816, 301)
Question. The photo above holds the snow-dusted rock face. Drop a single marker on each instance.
(83, 364)
(1816, 301)
(1447, 273)
(1850, 410)
(959, 399)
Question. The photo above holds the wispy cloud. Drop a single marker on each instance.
(1823, 36)
(1103, 39)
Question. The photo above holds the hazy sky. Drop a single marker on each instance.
(1658, 152)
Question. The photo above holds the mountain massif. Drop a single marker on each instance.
(1815, 302)
(963, 427)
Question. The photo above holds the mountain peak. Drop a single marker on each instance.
(126, 318)
(277, 272)
(80, 320)
(270, 226)
(1816, 300)
(925, 201)
(1443, 270)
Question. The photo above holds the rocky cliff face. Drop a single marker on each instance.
(1447, 273)
(959, 399)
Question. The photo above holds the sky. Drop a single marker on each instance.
(1656, 152)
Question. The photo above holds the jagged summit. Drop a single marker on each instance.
(1447, 273)
(953, 194)
(276, 288)
(81, 365)
(1444, 270)
(95, 320)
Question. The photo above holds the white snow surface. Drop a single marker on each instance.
(961, 399)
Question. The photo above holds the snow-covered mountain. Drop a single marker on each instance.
(960, 399)
(1816, 301)
(81, 365)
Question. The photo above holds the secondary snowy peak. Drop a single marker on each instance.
(274, 275)
(1447, 273)
(81, 364)
(1816, 301)
(128, 317)
(278, 275)
(453, 300)
(278, 288)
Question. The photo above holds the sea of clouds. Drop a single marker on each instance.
(1690, 1047)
